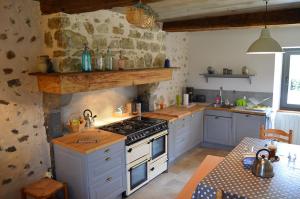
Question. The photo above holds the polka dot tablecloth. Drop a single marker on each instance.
(238, 183)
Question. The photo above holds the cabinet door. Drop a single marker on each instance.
(247, 126)
(217, 129)
(171, 141)
(196, 128)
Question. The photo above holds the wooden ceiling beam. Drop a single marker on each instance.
(278, 17)
(79, 6)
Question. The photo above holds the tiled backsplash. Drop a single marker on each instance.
(232, 95)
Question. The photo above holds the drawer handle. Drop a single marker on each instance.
(129, 150)
(109, 179)
(152, 169)
(107, 150)
(217, 117)
(107, 159)
(247, 115)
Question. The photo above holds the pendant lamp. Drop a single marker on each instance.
(265, 44)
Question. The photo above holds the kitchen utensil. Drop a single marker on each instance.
(89, 118)
(262, 167)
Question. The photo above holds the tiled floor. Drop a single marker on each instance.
(168, 185)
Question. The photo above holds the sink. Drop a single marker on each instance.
(222, 106)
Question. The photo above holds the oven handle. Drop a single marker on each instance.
(158, 136)
(135, 166)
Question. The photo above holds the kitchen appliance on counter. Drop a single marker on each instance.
(146, 149)
(190, 92)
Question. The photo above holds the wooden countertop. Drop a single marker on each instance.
(175, 112)
(160, 116)
(236, 110)
(179, 111)
(103, 138)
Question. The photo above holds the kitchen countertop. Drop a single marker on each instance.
(238, 110)
(104, 139)
(180, 111)
(173, 113)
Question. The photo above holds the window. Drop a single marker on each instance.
(290, 89)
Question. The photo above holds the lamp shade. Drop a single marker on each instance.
(265, 44)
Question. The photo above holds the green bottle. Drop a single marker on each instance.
(86, 65)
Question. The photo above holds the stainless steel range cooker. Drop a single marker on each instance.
(146, 149)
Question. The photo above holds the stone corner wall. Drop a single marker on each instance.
(24, 150)
(65, 36)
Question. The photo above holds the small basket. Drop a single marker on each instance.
(76, 127)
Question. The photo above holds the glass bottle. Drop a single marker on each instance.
(121, 62)
(86, 65)
(109, 59)
(99, 66)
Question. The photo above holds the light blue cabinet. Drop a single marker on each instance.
(246, 125)
(184, 134)
(218, 127)
(98, 175)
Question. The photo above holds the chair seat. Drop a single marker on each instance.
(43, 188)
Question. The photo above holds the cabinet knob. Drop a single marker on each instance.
(107, 159)
(247, 115)
(217, 117)
(108, 179)
(152, 169)
(129, 150)
(106, 150)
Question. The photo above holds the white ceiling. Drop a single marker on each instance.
(171, 10)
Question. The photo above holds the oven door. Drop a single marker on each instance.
(137, 175)
(159, 145)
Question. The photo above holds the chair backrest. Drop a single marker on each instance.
(276, 134)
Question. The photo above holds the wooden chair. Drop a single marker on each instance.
(207, 165)
(44, 189)
(276, 134)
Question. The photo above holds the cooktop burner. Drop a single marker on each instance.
(137, 128)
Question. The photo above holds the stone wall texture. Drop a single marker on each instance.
(25, 35)
(177, 52)
(24, 151)
(65, 36)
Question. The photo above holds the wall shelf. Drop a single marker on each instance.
(207, 76)
(65, 83)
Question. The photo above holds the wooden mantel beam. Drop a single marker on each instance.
(79, 6)
(278, 17)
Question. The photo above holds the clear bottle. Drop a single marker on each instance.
(109, 59)
(99, 65)
(86, 65)
(121, 62)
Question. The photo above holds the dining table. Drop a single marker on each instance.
(235, 181)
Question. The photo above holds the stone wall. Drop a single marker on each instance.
(65, 36)
(24, 151)
(177, 53)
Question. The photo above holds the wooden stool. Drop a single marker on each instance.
(44, 189)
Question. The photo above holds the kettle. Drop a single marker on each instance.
(89, 118)
(262, 167)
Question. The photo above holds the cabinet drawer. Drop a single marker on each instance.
(111, 184)
(107, 151)
(103, 164)
(182, 122)
(218, 113)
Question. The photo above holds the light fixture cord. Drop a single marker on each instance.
(266, 13)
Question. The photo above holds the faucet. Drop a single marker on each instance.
(221, 95)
